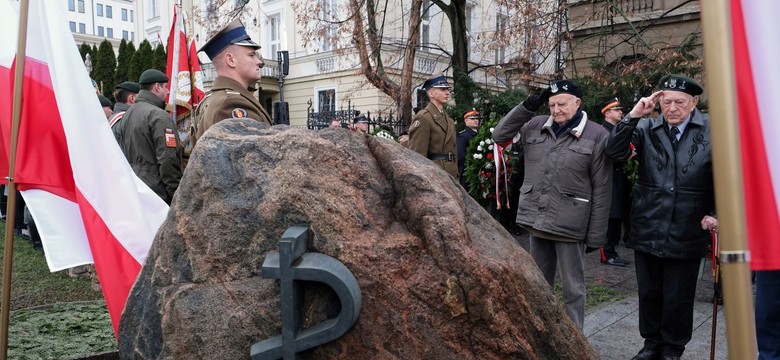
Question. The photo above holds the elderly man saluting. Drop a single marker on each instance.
(565, 196)
(672, 212)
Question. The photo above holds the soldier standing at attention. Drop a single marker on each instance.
(125, 94)
(432, 132)
(238, 65)
(150, 143)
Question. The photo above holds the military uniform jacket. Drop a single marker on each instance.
(567, 189)
(118, 107)
(150, 144)
(227, 99)
(674, 191)
(433, 132)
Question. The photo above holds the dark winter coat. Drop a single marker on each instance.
(674, 191)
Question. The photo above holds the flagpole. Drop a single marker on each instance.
(727, 169)
(10, 212)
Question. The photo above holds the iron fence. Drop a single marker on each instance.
(386, 120)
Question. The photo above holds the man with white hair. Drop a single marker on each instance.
(565, 197)
(673, 209)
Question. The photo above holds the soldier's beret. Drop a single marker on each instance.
(233, 33)
(152, 76)
(360, 118)
(437, 82)
(104, 101)
(558, 87)
(676, 82)
(613, 103)
(129, 86)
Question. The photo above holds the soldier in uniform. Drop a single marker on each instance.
(125, 94)
(238, 64)
(361, 124)
(150, 143)
(432, 132)
(471, 119)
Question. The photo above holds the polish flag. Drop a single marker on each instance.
(756, 51)
(85, 199)
(177, 69)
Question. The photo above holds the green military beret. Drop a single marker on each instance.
(104, 101)
(680, 83)
(130, 86)
(152, 76)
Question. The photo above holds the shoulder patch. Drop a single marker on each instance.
(170, 138)
(415, 124)
(238, 113)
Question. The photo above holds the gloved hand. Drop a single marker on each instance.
(533, 102)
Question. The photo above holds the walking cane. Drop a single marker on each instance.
(715, 268)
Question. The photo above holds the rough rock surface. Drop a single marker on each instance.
(440, 279)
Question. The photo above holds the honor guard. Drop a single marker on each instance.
(432, 132)
(238, 65)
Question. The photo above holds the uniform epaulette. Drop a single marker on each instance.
(230, 92)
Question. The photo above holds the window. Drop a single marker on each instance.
(72, 26)
(82, 28)
(100, 31)
(326, 100)
(125, 35)
(274, 37)
(110, 33)
(109, 12)
(71, 5)
(124, 14)
(425, 23)
(132, 36)
(81, 6)
(131, 16)
(329, 15)
(99, 9)
(154, 9)
(502, 20)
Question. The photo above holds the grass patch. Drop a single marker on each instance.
(595, 294)
(53, 315)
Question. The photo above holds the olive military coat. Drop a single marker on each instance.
(433, 133)
(227, 99)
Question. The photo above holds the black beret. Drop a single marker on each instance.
(437, 82)
(676, 82)
(565, 87)
(613, 103)
(233, 33)
(152, 76)
(129, 86)
(104, 101)
(360, 118)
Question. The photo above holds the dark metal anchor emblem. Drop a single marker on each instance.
(291, 264)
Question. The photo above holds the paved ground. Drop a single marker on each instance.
(612, 328)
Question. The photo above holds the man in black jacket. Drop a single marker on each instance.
(672, 212)
(621, 188)
(471, 119)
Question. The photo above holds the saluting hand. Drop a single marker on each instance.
(646, 105)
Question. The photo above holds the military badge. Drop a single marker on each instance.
(415, 125)
(553, 88)
(170, 138)
(238, 113)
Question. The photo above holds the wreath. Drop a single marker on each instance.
(488, 168)
(383, 132)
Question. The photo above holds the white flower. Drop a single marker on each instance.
(478, 156)
(482, 143)
(491, 130)
(490, 147)
(488, 166)
(480, 148)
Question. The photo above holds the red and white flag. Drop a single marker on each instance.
(183, 60)
(85, 199)
(756, 51)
